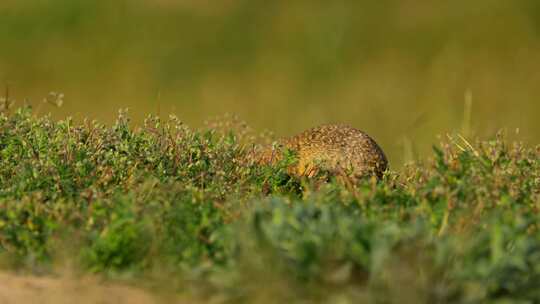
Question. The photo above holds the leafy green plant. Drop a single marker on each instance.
(461, 227)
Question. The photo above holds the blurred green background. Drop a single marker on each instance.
(401, 70)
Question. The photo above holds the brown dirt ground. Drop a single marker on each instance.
(18, 289)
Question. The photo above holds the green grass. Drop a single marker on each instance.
(404, 72)
(188, 210)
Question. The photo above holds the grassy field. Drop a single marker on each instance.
(185, 212)
(400, 70)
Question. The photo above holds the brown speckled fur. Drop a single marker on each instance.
(336, 148)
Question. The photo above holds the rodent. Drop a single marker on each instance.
(335, 148)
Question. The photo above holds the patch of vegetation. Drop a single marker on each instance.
(168, 202)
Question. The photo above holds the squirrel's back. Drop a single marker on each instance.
(337, 148)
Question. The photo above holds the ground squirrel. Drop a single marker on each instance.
(335, 148)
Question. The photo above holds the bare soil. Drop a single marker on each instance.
(18, 289)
